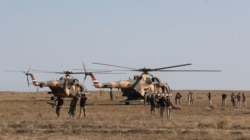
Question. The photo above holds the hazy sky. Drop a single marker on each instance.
(57, 35)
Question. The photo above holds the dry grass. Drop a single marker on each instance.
(28, 116)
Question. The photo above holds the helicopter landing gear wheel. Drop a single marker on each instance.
(126, 103)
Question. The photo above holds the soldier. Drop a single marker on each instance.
(178, 98)
(161, 105)
(59, 101)
(224, 96)
(152, 104)
(111, 95)
(169, 105)
(147, 97)
(244, 100)
(238, 100)
(83, 105)
(209, 95)
(233, 97)
(72, 108)
(190, 98)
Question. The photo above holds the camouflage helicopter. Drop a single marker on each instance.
(66, 86)
(142, 85)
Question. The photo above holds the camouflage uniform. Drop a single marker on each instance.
(224, 96)
(209, 95)
(59, 101)
(152, 104)
(111, 95)
(190, 98)
(161, 104)
(82, 105)
(178, 98)
(72, 108)
(169, 106)
(233, 97)
(238, 99)
(244, 99)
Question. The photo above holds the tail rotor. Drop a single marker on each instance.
(85, 71)
(27, 73)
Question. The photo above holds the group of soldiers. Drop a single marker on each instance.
(72, 109)
(237, 100)
(162, 102)
(178, 97)
(240, 99)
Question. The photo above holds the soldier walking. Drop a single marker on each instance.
(111, 95)
(83, 105)
(161, 105)
(152, 104)
(209, 95)
(190, 98)
(224, 96)
(59, 104)
(244, 100)
(72, 108)
(178, 98)
(233, 98)
(238, 100)
(169, 105)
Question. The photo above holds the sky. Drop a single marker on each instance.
(59, 35)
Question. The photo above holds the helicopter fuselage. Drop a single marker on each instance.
(66, 86)
(136, 88)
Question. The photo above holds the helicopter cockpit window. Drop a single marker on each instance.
(75, 81)
(61, 78)
(153, 79)
(148, 80)
(70, 81)
(135, 77)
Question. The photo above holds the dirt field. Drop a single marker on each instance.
(26, 116)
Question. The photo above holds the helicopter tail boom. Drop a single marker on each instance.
(94, 80)
(34, 82)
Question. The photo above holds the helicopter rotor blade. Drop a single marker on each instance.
(113, 66)
(85, 72)
(169, 67)
(95, 71)
(84, 67)
(189, 70)
(27, 73)
(56, 72)
(142, 69)
(43, 71)
(28, 80)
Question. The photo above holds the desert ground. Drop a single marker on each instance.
(26, 116)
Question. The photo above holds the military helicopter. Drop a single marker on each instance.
(66, 86)
(141, 85)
